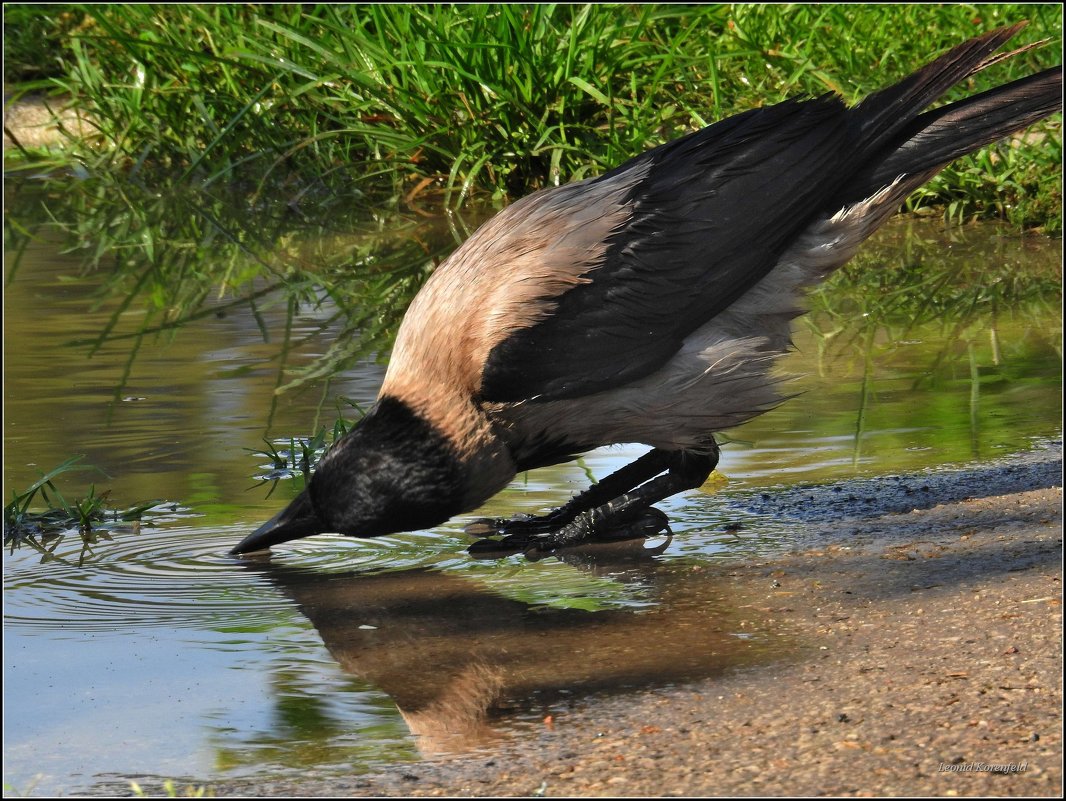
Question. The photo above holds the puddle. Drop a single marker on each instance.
(161, 655)
(457, 657)
(166, 657)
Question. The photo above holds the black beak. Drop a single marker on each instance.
(296, 520)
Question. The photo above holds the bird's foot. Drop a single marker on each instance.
(592, 527)
(515, 533)
(518, 525)
(584, 528)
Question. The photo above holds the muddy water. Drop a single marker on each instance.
(157, 654)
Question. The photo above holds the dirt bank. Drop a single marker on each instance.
(931, 645)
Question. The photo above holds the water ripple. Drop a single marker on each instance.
(180, 576)
(176, 577)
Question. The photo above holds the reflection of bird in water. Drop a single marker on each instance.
(647, 305)
(456, 657)
(458, 719)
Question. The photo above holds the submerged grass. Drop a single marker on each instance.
(391, 102)
(297, 457)
(43, 529)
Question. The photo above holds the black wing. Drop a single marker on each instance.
(709, 218)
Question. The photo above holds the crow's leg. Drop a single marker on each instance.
(647, 466)
(619, 507)
(631, 514)
(617, 483)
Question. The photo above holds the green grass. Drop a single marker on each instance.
(43, 529)
(293, 457)
(418, 103)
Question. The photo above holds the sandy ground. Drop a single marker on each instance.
(930, 664)
(35, 121)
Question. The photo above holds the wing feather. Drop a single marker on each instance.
(709, 219)
(701, 220)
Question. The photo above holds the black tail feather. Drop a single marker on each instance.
(938, 137)
(883, 114)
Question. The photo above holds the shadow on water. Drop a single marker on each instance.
(459, 659)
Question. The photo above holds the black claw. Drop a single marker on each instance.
(492, 549)
(520, 528)
(535, 554)
(484, 527)
(584, 529)
(651, 523)
(519, 525)
(489, 548)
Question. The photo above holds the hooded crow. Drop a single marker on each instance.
(647, 305)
